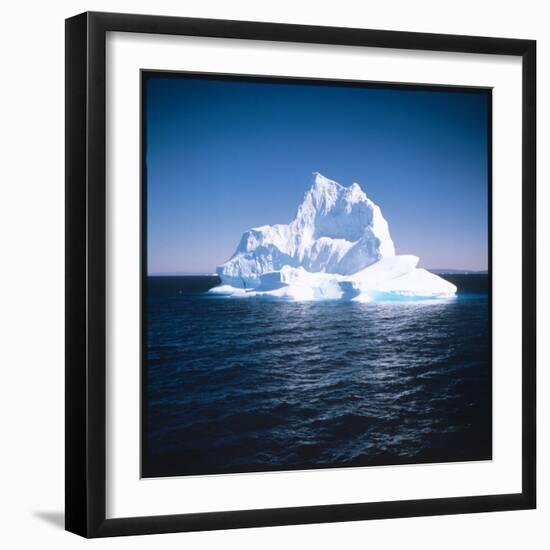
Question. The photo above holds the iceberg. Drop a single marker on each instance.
(338, 247)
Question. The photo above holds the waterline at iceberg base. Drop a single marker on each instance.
(338, 247)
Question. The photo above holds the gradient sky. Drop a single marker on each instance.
(223, 156)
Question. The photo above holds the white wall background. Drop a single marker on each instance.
(32, 271)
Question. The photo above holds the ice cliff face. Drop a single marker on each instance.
(336, 230)
(337, 247)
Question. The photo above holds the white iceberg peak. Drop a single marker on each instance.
(324, 193)
(321, 181)
(337, 246)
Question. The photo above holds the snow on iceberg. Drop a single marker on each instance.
(337, 248)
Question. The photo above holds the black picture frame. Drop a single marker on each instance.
(85, 495)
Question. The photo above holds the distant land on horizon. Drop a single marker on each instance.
(449, 271)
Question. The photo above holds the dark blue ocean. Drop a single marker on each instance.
(241, 385)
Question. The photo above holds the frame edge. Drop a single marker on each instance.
(529, 272)
(76, 494)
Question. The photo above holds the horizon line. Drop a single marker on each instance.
(449, 270)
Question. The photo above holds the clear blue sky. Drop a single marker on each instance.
(224, 156)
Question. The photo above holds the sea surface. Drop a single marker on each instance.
(242, 385)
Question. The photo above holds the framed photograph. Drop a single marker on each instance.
(300, 274)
